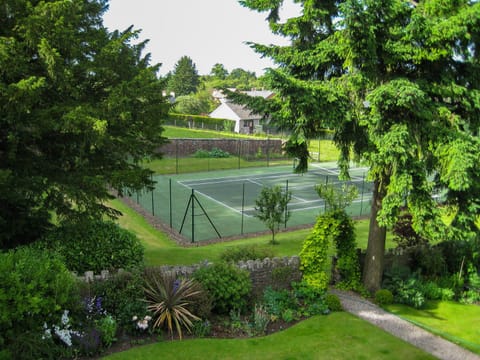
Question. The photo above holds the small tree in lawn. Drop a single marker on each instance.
(271, 206)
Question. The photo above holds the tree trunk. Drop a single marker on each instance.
(373, 267)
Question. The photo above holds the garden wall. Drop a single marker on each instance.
(277, 272)
(246, 147)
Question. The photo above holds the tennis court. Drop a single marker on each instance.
(209, 205)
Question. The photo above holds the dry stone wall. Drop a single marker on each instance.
(276, 272)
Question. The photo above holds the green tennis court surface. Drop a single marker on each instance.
(208, 205)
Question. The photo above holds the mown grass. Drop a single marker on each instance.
(173, 132)
(335, 336)
(161, 250)
(453, 321)
(169, 165)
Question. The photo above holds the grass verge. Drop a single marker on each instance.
(456, 322)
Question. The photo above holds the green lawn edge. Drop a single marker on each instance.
(335, 336)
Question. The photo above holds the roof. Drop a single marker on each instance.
(242, 112)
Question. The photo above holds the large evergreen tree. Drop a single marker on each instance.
(80, 107)
(185, 78)
(398, 82)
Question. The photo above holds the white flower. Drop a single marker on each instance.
(148, 318)
(135, 318)
(143, 324)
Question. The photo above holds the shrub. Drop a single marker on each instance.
(219, 153)
(168, 299)
(260, 320)
(108, 329)
(243, 253)
(95, 246)
(201, 154)
(35, 287)
(333, 302)
(311, 299)
(383, 297)
(201, 328)
(404, 234)
(214, 153)
(229, 286)
(121, 295)
(429, 260)
(432, 291)
(276, 302)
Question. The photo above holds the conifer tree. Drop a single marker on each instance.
(398, 83)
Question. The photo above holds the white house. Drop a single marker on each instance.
(245, 120)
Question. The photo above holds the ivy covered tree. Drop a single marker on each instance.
(185, 79)
(80, 107)
(398, 83)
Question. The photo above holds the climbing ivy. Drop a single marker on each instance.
(315, 250)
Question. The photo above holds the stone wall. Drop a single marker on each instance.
(246, 147)
(277, 272)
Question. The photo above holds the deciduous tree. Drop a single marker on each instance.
(271, 208)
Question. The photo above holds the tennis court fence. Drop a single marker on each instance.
(217, 205)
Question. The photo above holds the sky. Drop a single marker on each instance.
(207, 31)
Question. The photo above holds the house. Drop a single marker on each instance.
(245, 120)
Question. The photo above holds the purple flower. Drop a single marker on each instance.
(176, 285)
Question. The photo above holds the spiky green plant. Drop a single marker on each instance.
(168, 299)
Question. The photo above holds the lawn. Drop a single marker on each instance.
(173, 132)
(456, 322)
(328, 152)
(161, 250)
(335, 336)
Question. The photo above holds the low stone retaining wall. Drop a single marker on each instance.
(277, 272)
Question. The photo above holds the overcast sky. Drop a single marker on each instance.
(208, 31)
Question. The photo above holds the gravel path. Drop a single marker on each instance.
(403, 329)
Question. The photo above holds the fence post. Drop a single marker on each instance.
(170, 198)
(268, 152)
(239, 151)
(153, 205)
(286, 206)
(193, 216)
(243, 207)
(176, 156)
(361, 199)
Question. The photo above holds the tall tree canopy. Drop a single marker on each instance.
(80, 106)
(398, 82)
(184, 79)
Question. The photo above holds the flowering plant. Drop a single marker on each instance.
(142, 324)
(64, 332)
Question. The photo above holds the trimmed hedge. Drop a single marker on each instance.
(199, 122)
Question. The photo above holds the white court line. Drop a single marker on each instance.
(215, 200)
